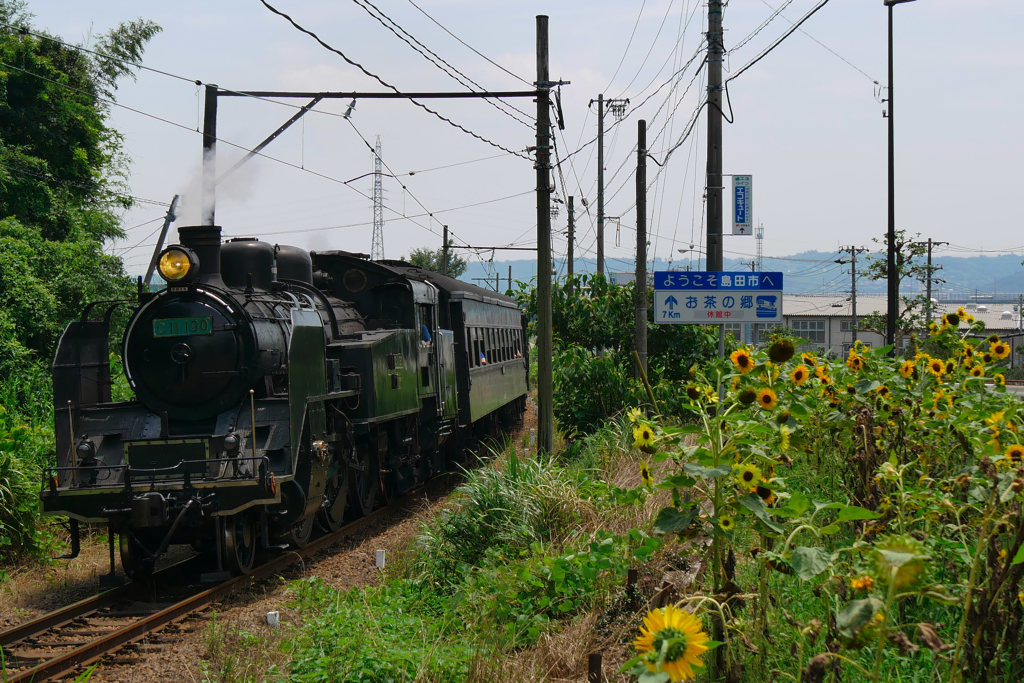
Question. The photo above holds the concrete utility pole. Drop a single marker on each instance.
(716, 50)
(640, 286)
(893, 277)
(572, 239)
(444, 252)
(853, 251)
(545, 380)
(618, 107)
(208, 201)
(169, 218)
(928, 280)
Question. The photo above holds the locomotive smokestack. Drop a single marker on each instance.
(204, 240)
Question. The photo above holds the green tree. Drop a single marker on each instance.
(433, 259)
(911, 264)
(63, 190)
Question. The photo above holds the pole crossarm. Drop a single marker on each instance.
(273, 136)
(373, 95)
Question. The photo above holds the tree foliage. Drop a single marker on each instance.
(433, 260)
(593, 329)
(912, 310)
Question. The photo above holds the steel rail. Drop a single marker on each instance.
(90, 653)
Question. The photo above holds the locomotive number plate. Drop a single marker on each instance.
(181, 327)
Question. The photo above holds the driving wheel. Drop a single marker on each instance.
(239, 543)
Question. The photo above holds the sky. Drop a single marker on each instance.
(807, 121)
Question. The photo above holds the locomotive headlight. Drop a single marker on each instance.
(177, 264)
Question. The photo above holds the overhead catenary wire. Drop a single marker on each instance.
(778, 41)
(380, 80)
(461, 78)
(844, 59)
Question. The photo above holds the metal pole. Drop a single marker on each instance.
(169, 218)
(928, 287)
(893, 288)
(600, 183)
(640, 286)
(716, 48)
(444, 253)
(545, 380)
(572, 239)
(510, 276)
(209, 190)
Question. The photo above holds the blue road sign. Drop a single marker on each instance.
(682, 297)
(743, 204)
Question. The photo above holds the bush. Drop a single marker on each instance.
(19, 486)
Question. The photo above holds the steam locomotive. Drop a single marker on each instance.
(277, 390)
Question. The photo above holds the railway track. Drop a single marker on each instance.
(81, 634)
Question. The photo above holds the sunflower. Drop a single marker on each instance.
(726, 523)
(950, 366)
(643, 438)
(933, 327)
(645, 475)
(808, 359)
(765, 493)
(748, 475)
(977, 371)
(784, 438)
(747, 396)
(825, 379)
(907, 369)
(936, 367)
(986, 357)
(854, 362)
(674, 642)
(742, 360)
(961, 312)
(901, 560)
(999, 380)
(693, 393)
(968, 351)
(799, 375)
(1000, 350)
(951, 319)
(634, 415)
(882, 391)
(767, 399)
(863, 582)
(1015, 453)
(781, 351)
(993, 339)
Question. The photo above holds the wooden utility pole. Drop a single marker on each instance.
(572, 239)
(928, 280)
(168, 219)
(853, 251)
(545, 380)
(640, 286)
(716, 50)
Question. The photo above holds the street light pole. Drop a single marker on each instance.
(893, 277)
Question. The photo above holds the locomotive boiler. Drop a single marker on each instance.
(277, 390)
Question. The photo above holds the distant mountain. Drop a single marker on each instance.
(810, 272)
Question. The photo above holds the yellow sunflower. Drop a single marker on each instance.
(674, 641)
(799, 375)
(936, 367)
(950, 366)
(854, 362)
(767, 399)
(907, 369)
(999, 380)
(1000, 350)
(645, 475)
(643, 438)
(742, 360)
(726, 523)
(808, 359)
(748, 475)
(977, 371)
(968, 351)
(933, 327)
(882, 391)
(986, 357)
(951, 319)
(1015, 453)
(634, 415)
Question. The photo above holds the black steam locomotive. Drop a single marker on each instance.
(277, 389)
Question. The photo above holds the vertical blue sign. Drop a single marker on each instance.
(743, 204)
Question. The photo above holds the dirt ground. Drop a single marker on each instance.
(180, 651)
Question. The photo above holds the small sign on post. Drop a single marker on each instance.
(743, 204)
(685, 297)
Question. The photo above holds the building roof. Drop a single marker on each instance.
(838, 306)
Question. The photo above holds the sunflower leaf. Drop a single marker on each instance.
(1019, 557)
(852, 512)
(809, 562)
(653, 677)
(671, 521)
(754, 503)
(695, 470)
(856, 614)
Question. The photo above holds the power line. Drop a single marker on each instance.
(384, 20)
(857, 68)
(478, 53)
(650, 50)
(762, 26)
(388, 85)
(626, 51)
(70, 183)
(777, 42)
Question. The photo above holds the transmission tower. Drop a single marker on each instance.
(377, 249)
